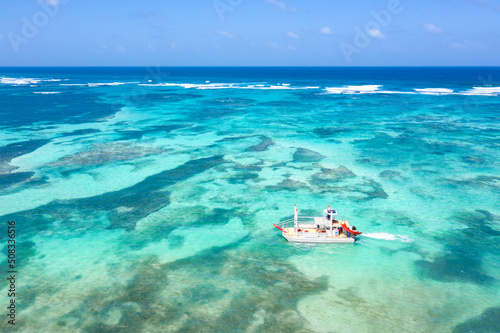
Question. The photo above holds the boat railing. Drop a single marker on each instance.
(285, 222)
(304, 222)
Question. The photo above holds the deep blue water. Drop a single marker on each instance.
(144, 198)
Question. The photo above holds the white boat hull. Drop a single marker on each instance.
(317, 229)
(319, 239)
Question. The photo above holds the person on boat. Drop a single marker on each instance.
(328, 213)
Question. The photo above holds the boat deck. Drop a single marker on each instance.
(311, 231)
(317, 229)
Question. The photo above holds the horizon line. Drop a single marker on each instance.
(253, 66)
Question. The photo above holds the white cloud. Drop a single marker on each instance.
(291, 48)
(483, 3)
(291, 34)
(281, 5)
(466, 44)
(120, 49)
(273, 45)
(2, 37)
(375, 33)
(225, 34)
(326, 31)
(173, 45)
(432, 28)
(147, 14)
(50, 2)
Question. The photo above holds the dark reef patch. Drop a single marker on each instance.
(230, 101)
(155, 98)
(386, 150)
(492, 182)
(487, 322)
(10, 179)
(234, 138)
(124, 208)
(81, 132)
(280, 282)
(102, 153)
(138, 302)
(13, 150)
(473, 160)
(212, 112)
(147, 196)
(179, 295)
(374, 191)
(331, 131)
(274, 286)
(138, 134)
(287, 185)
(131, 134)
(464, 249)
(25, 250)
(242, 176)
(307, 155)
(281, 104)
(390, 174)
(266, 143)
(370, 161)
(201, 294)
(169, 128)
(214, 216)
(388, 217)
(67, 108)
(175, 241)
(331, 175)
(340, 181)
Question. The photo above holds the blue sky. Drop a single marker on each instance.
(250, 33)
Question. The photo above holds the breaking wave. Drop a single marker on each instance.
(389, 237)
(228, 86)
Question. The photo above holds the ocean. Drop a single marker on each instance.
(144, 198)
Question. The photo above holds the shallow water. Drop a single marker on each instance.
(144, 199)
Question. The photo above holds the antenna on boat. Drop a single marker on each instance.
(295, 218)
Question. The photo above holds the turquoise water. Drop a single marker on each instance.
(144, 198)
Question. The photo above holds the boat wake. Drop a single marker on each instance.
(390, 237)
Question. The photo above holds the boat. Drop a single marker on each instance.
(318, 229)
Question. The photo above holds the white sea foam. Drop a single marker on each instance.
(23, 81)
(18, 81)
(395, 92)
(46, 92)
(109, 84)
(226, 86)
(366, 89)
(475, 91)
(390, 237)
(97, 84)
(482, 91)
(435, 91)
(375, 89)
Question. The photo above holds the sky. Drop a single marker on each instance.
(250, 33)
